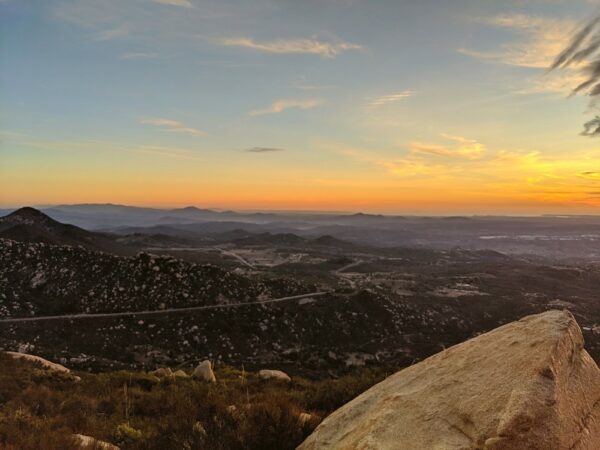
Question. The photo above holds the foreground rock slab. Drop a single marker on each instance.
(528, 385)
(49, 365)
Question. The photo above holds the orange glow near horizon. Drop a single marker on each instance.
(176, 103)
(355, 180)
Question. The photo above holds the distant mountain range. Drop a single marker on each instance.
(575, 237)
(109, 216)
(33, 226)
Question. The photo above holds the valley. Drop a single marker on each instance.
(316, 306)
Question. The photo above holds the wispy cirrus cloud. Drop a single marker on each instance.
(281, 105)
(524, 175)
(184, 3)
(112, 33)
(313, 87)
(172, 126)
(539, 39)
(138, 55)
(168, 152)
(312, 46)
(93, 146)
(408, 166)
(263, 150)
(590, 175)
(462, 148)
(390, 98)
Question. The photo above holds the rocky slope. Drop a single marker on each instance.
(40, 279)
(310, 336)
(526, 385)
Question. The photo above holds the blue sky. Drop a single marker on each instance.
(391, 106)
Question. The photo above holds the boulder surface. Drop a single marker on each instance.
(268, 374)
(88, 442)
(43, 362)
(204, 371)
(528, 385)
(162, 372)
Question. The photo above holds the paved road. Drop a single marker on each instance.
(349, 266)
(236, 256)
(160, 311)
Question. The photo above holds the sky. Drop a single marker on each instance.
(389, 106)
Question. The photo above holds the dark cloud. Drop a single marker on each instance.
(591, 127)
(263, 150)
(585, 48)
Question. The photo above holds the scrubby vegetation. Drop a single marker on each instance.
(136, 410)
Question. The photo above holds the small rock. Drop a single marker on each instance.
(267, 374)
(199, 428)
(204, 372)
(86, 442)
(162, 372)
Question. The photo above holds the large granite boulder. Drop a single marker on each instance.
(528, 385)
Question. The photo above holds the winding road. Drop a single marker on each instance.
(160, 311)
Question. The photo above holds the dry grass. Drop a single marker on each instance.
(137, 411)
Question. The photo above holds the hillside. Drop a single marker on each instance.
(41, 279)
(529, 381)
(31, 225)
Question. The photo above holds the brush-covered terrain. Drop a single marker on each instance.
(335, 315)
(40, 409)
(371, 306)
(44, 279)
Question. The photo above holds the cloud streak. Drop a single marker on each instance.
(113, 33)
(463, 148)
(172, 126)
(263, 150)
(539, 40)
(312, 46)
(281, 105)
(132, 56)
(390, 98)
(184, 3)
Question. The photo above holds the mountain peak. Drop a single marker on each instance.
(27, 214)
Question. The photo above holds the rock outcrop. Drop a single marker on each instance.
(162, 372)
(528, 385)
(88, 442)
(267, 374)
(204, 372)
(43, 362)
(180, 374)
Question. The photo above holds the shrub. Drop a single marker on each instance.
(137, 411)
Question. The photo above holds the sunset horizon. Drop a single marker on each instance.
(265, 106)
